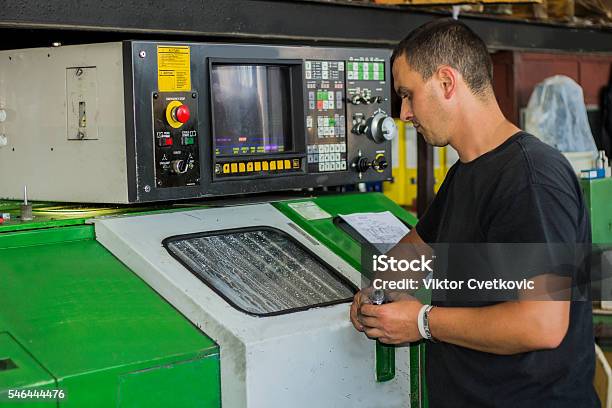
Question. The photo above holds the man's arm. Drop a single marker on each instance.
(504, 328)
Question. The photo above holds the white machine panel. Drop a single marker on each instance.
(312, 357)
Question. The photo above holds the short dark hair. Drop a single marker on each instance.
(448, 42)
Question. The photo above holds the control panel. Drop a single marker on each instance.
(145, 121)
(369, 114)
(175, 135)
(326, 117)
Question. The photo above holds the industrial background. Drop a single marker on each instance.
(146, 260)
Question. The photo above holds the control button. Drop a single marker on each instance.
(287, 164)
(296, 163)
(241, 167)
(264, 165)
(226, 168)
(321, 166)
(165, 141)
(280, 165)
(188, 140)
(182, 113)
(319, 105)
(257, 166)
(177, 114)
(234, 167)
(249, 166)
(179, 166)
(272, 165)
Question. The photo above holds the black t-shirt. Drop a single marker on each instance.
(523, 191)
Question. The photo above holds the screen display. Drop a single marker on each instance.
(251, 109)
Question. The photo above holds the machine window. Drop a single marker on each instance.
(260, 271)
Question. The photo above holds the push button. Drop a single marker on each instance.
(188, 140)
(165, 141)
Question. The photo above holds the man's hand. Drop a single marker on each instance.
(391, 323)
(355, 311)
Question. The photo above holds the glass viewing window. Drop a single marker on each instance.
(261, 271)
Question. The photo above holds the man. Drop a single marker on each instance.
(507, 187)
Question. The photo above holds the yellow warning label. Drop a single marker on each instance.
(174, 69)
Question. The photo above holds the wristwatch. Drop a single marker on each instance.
(426, 329)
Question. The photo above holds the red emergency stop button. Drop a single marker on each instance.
(177, 114)
(182, 114)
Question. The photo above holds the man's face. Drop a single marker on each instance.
(421, 103)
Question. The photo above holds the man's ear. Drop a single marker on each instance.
(448, 80)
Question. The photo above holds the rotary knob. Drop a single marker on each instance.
(381, 127)
(179, 166)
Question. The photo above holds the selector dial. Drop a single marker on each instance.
(179, 166)
(381, 127)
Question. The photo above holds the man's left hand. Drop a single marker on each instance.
(392, 323)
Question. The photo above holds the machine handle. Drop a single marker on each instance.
(385, 362)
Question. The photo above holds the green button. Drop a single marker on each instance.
(188, 140)
(332, 122)
(350, 66)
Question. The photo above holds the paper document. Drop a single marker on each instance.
(382, 229)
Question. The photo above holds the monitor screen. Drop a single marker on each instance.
(251, 109)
